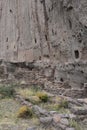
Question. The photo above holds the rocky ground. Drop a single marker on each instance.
(54, 106)
(56, 113)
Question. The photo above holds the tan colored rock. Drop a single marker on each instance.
(56, 118)
(47, 30)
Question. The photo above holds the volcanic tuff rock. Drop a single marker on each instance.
(33, 29)
(54, 30)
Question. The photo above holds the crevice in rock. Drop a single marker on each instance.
(46, 27)
(39, 28)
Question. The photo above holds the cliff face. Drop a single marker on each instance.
(46, 29)
(32, 29)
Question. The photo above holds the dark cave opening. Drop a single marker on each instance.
(61, 79)
(70, 24)
(76, 54)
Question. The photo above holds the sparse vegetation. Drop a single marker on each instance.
(8, 116)
(34, 100)
(7, 91)
(26, 93)
(55, 107)
(42, 96)
(18, 113)
(25, 112)
(75, 124)
(63, 104)
(8, 109)
(34, 96)
(52, 107)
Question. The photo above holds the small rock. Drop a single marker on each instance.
(64, 121)
(85, 106)
(85, 85)
(85, 121)
(60, 126)
(64, 115)
(85, 100)
(82, 100)
(72, 116)
(46, 120)
(53, 112)
(31, 128)
(79, 110)
(26, 103)
(49, 94)
(39, 111)
(23, 82)
(56, 118)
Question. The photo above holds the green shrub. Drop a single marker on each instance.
(63, 104)
(25, 112)
(7, 91)
(42, 96)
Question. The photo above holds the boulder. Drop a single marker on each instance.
(79, 110)
(46, 120)
(39, 111)
(64, 121)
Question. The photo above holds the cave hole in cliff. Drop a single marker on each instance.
(11, 11)
(49, 9)
(46, 37)
(61, 79)
(70, 8)
(70, 24)
(7, 39)
(46, 56)
(39, 57)
(76, 54)
(35, 40)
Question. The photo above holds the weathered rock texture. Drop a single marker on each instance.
(33, 30)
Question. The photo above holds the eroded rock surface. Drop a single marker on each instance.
(34, 29)
(48, 38)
